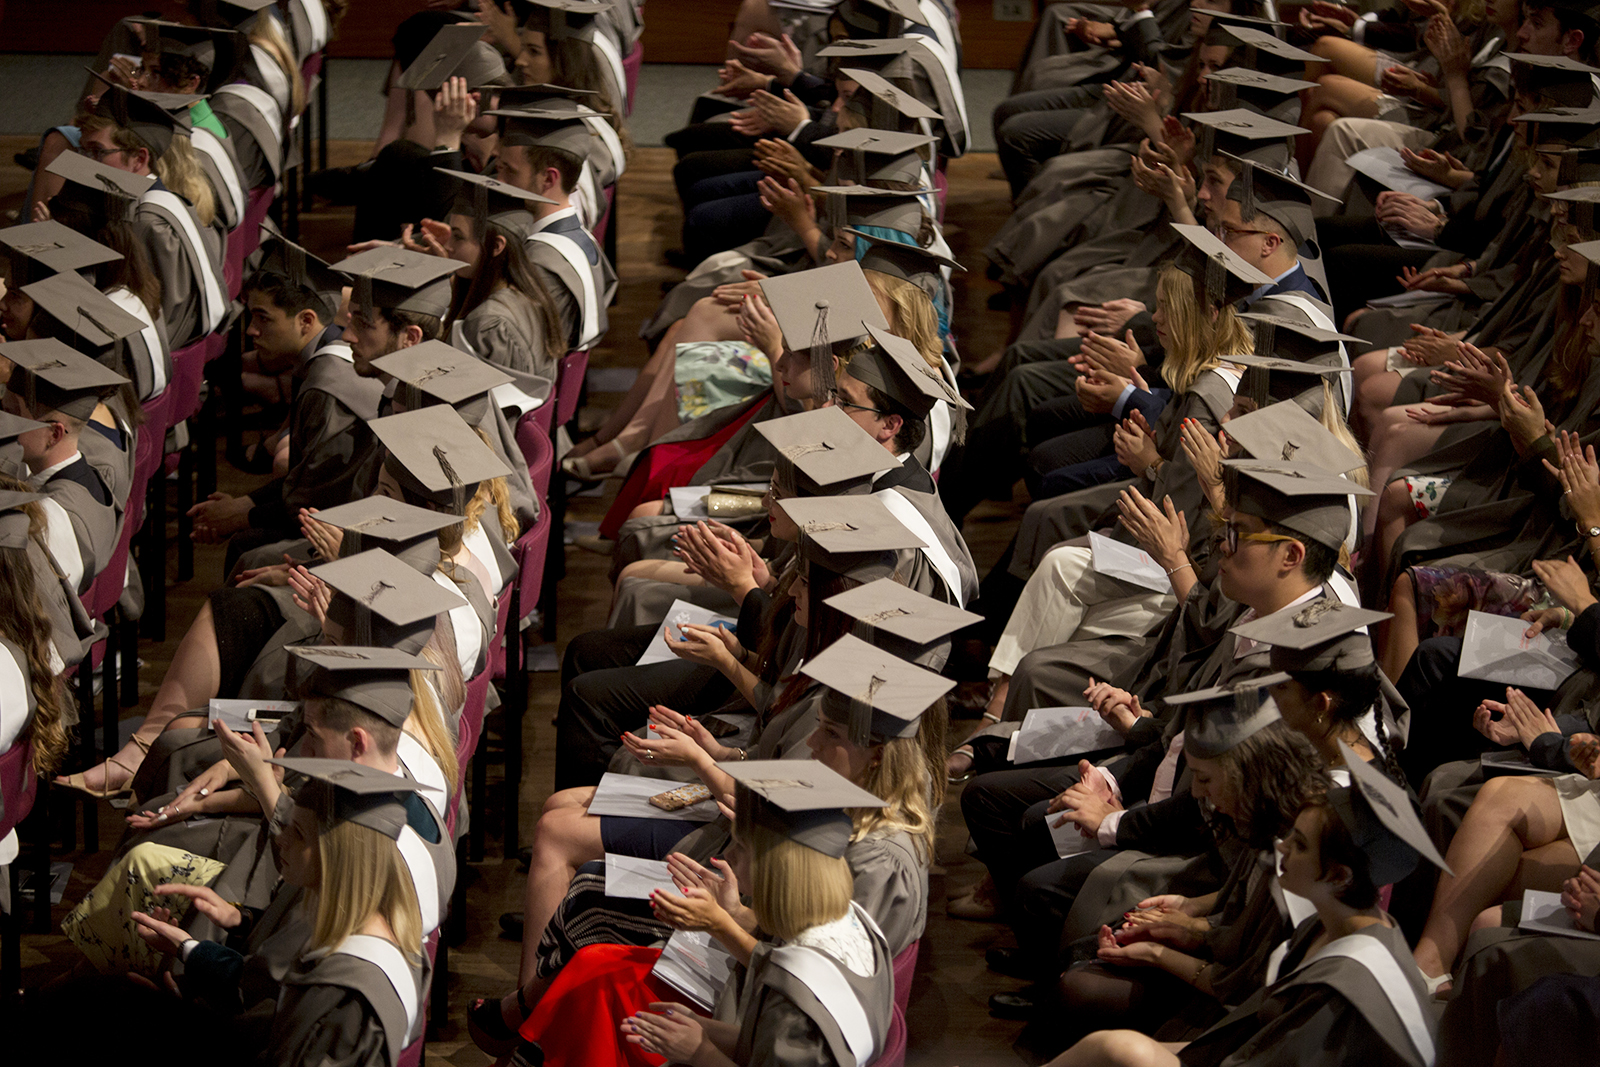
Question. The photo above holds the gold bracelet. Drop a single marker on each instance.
(1178, 568)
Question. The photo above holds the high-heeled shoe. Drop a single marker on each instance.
(77, 782)
(487, 1025)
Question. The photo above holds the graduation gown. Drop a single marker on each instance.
(1329, 1009)
(353, 1007)
(797, 1006)
(146, 356)
(332, 452)
(576, 274)
(309, 28)
(255, 120)
(505, 331)
(224, 173)
(187, 256)
(82, 519)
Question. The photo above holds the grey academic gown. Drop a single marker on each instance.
(504, 330)
(341, 1011)
(93, 519)
(145, 356)
(71, 629)
(1330, 1011)
(777, 251)
(559, 248)
(1072, 206)
(783, 1018)
(193, 301)
(332, 450)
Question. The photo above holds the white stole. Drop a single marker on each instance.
(213, 303)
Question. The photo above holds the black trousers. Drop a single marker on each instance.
(604, 694)
(1034, 127)
(996, 806)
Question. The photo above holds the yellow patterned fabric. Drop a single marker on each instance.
(102, 925)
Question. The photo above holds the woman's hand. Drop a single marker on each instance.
(1475, 375)
(723, 887)
(1522, 415)
(1134, 446)
(1403, 81)
(1566, 582)
(158, 932)
(723, 561)
(1205, 456)
(778, 56)
(1322, 18)
(1443, 168)
(1584, 752)
(1444, 40)
(1527, 718)
(271, 574)
(694, 729)
(739, 81)
(783, 160)
(666, 746)
(1435, 279)
(429, 238)
(669, 1030)
(1094, 34)
(1161, 531)
(311, 594)
(1434, 415)
(691, 908)
(1580, 895)
(1429, 347)
(1546, 620)
(732, 294)
(454, 109)
(1121, 358)
(714, 646)
(1500, 730)
(790, 203)
(206, 901)
(326, 539)
(759, 327)
(248, 753)
(770, 114)
(1579, 476)
(1136, 954)
(1106, 318)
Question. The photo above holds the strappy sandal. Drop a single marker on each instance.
(77, 782)
(488, 1026)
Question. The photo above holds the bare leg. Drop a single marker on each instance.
(1397, 440)
(1373, 385)
(191, 682)
(1510, 817)
(1066, 324)
(647, 510)
(1355, 62)
(1335, 97)
(1116, 1048)
(394, 112)
(664, 357)
(1399, 637)
(1396, 512)
(565, 839)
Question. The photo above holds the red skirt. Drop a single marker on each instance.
(666, 466)
(577, 1021)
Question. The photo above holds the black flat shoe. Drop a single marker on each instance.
(511, 925)
(524, 858)
(1019, 1006)
(1011, 962)
(488, 1028)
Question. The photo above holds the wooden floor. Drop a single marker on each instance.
(948, 1022)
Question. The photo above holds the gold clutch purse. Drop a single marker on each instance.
(730, 503)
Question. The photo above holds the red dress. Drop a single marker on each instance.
(577, 1020)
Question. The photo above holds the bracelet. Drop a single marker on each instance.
(1178, 568)
(1567, 619)
(743, 755)
(991, 716)
(1195, 981)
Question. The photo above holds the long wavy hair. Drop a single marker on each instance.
(266, 33)
(1195, 338)
(902, 777)
(1272, 774)
(513, 269)
(26, 625)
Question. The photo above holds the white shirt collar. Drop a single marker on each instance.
(50, 472)
(543, 223)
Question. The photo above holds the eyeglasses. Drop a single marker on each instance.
(1227, 230)
(98, 154)
(840, 401)
(1231, 536)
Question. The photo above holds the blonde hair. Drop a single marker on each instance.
(494, 490)
(914, 317)
(795, 887)
(1195, 339)
(27, 626)
(899, 776)
(363, 874)
(428, 722)
(179, 170)
(1333, 421)
(266, 33)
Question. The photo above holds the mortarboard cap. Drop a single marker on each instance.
(434, 372)
(1556, 80)
(558, 18)
(14, 426)
(891, 105)
(398, 524)
(822, 307)
(895, 367)
(1556, 130)
(881, 155)
(1221, 275)
(1245, 134)
(877, 695)
(282, 256)
(85, 318)
(1264, 92)
(1268, 379)
(823, 452)
(901, 614)
(220, 50)
(232, 14)
(103, 194)
(545, 126)
(1286, 432)
(383, 602)
(49, 376)
(1297, 496)
(1580, 204)
(40, 249)
(859, 205)
(1300, 340)
(1383, 822)
(879, 18)
(802, 800)
(444, 56)
(486, 199)
(1324, 635)
(341, 791)
(543, 94)
(1281, 198)
(1220, 718)
(898, 258)
(1266, 50)
(376, 679)
(145, 115)
(855, 536)
(14, 522)
(399, 279)
(1589, 250)
(436, 455)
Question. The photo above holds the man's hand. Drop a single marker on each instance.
(1322, 18)
(220, 516)
(1161, 531)
(1398, 211)
(766, 54)
(1107, 318)
(739, 81)
(454, 109)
